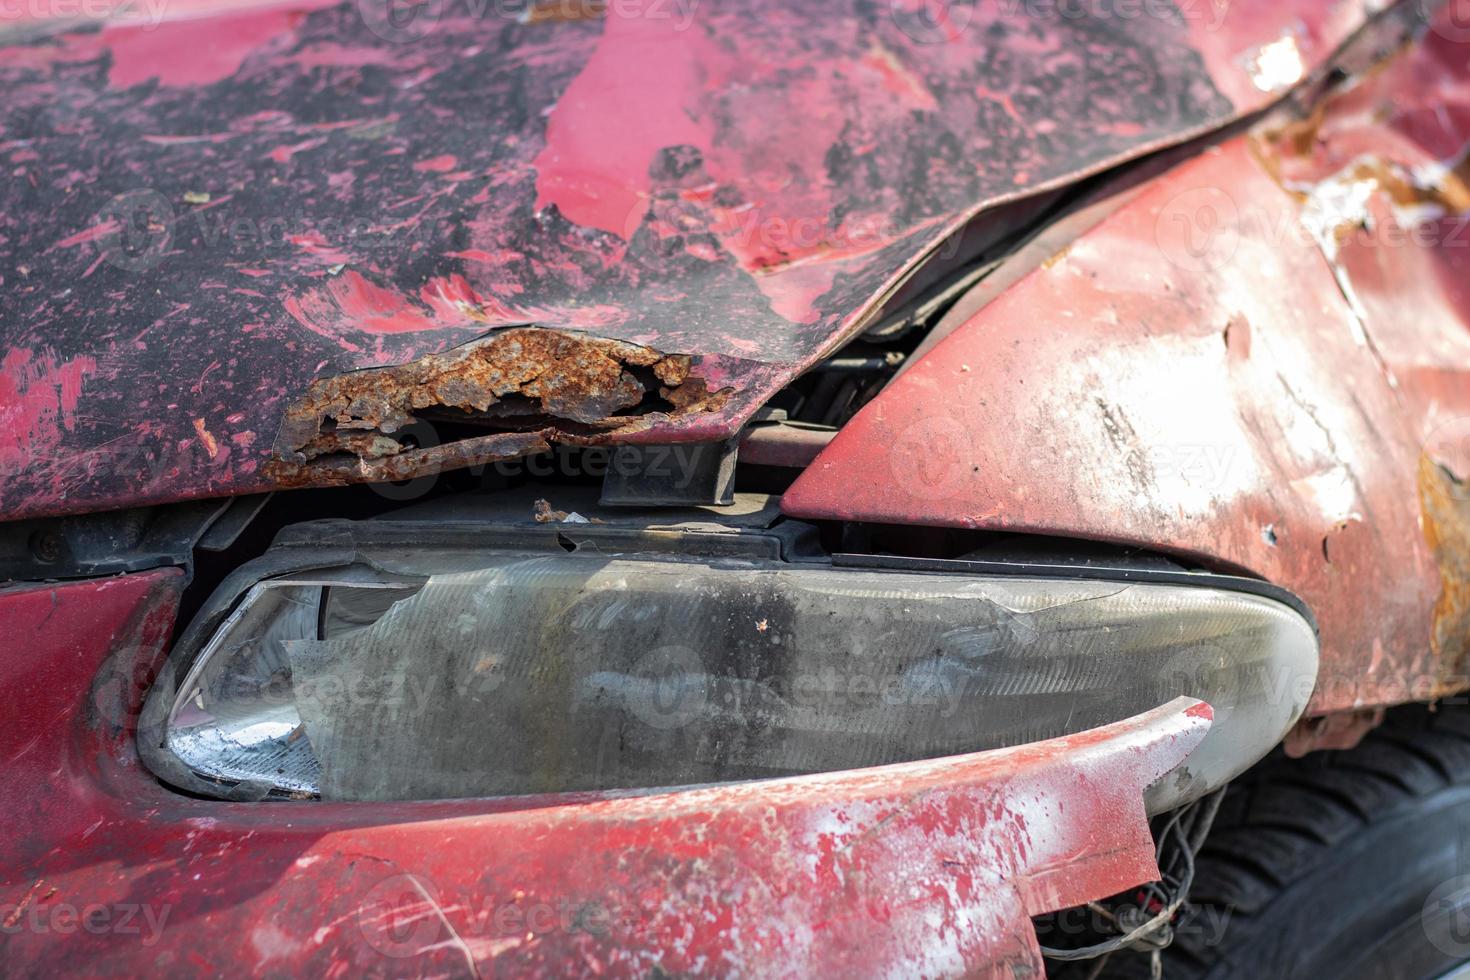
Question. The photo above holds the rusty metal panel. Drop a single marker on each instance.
(205, 216)
(927, 867)
(1253, 364)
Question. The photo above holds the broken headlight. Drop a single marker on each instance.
(398, 661)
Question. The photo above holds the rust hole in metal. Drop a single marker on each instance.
(510, 394)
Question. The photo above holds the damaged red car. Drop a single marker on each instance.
(686, 487)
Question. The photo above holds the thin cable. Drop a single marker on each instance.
(1133, 935)
(1190, 836)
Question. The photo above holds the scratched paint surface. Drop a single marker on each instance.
(1277, 379)
(930, 867)
(202, 216)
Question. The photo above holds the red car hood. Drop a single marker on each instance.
(208, 219)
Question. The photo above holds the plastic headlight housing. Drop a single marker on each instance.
(382, 663)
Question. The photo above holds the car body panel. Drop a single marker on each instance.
(206, 215)
(636, 191)
(933, 865)
(1261, 362)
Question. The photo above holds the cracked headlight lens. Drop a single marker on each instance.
(424, 674)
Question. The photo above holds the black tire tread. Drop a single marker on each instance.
(1281, 821)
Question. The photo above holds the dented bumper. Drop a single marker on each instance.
(933, 865)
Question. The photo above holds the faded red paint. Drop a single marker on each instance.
(192, 52)
(928, 867)
(1240, 393)
(630, 100)
(371, 308)
(1403, 134)
(92, 234)
(38, 404)
(1232, 40)
(436, 165)
(350, 309)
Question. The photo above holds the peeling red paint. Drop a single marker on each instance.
(1201, 710)
(38, 403)
(91, 234)
(438, 165)
(365, 306)
(192, 52)
(627, 104)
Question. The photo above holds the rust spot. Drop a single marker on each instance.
(561, 11)
(206, 438)
(1276, 143)
(1057, 256)
(1447, 187)
(510, 394)
(1445, 502)
(1338, 730)
(1300, 135)
(543, 513)
(1343, 196)
(1237, 338)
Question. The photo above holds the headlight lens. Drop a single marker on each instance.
(441, 671)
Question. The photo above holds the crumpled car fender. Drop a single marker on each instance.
(1261, 363)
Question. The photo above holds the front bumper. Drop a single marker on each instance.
(930, 867)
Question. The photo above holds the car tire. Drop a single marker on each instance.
(1343, 864)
